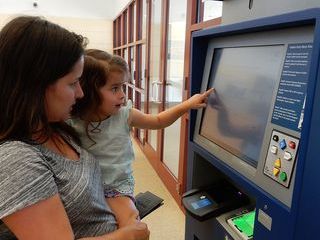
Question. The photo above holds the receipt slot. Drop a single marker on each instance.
(203, 204)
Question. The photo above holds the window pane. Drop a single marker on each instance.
(174, 84)
(143, 67)
(131, 23)
(125, 54)
(134, 21)
(144, 18)
(132, 64)
(154, 84)
(141, 131)
(125, 28)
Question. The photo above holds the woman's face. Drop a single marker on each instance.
(62, 95)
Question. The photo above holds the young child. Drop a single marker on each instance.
(103, 122)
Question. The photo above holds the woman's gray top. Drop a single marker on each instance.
(31, 173)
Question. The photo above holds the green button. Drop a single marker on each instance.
(283, 176)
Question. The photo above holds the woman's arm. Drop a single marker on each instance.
(124, 209)
(48, 220)
(166, 118)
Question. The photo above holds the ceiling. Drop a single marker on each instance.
(95, 9)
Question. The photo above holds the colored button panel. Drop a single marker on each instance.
(283, 176)
(275, 138)
(283, 144)
(281, 155)
(277, 163)
(292, 145)
(287, 156)
(276, 171)
(274, 149)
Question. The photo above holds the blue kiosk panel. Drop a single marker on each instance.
(259, 129)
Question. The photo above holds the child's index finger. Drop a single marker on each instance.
(208, 92)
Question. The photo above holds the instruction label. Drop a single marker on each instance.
(288, 110)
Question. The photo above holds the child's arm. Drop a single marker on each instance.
(166, 118)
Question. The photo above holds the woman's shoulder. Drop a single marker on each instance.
(17, 146)
(17, 150)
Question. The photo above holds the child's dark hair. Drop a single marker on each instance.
(94, 77)
(97, 66)
(98, 54)
(118, 64)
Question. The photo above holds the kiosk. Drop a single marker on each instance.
(260, 131)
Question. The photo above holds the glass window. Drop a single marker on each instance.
(131, 24)
(141, 107)
(154, 83)
(125, 54)
(132, 65)
(130, 94)
(143, 67)
(144, 19)
(134, 21)
(174, 78)
(114, 33)
(125, 28)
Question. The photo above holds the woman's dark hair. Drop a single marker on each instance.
(34, 53)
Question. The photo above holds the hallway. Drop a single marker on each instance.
(168, 221)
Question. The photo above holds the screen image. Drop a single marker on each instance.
(201, 203)
(244, 79)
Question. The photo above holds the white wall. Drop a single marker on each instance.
(93, 19)
(93, 9)
(99, 32)
(121, 4)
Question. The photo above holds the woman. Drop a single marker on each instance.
(50, 188)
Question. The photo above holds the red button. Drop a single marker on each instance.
(292, 145)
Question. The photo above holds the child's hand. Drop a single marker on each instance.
(199, 100)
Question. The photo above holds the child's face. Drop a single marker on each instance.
(112, 94)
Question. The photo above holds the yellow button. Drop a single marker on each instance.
(277, 163)
(276, 171)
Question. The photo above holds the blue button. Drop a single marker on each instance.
(283, 144)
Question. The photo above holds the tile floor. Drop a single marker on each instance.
(168, 221)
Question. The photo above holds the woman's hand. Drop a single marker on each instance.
(135, 231)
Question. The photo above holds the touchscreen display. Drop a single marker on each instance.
(236, 116)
